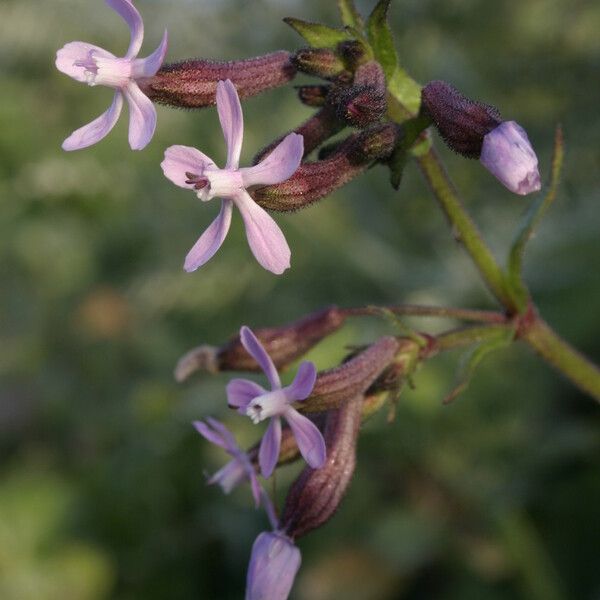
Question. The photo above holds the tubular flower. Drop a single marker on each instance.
(274, 562)
(508, 155)
(95, 66)
(254, 401)
(191, 169)
(236, 470)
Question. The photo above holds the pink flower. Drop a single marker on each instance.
(254, 401)
(95, 66)
(239, 468)
(189, 168)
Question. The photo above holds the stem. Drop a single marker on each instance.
(414, 310)
(563, 357)
(465, 336)
(465, 230)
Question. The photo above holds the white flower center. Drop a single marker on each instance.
(267, 405)
(223, 183)
(103, 70)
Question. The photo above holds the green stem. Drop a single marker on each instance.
(465, 336)
(464, 228)
(563, 357)
(415, 310)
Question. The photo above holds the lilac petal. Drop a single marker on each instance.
(142, 117)
(210, 241)
(266, 240)
(268, 453)
(147, 67)
(226, 435)
(274, 563)
(303, 383)
(72, 52)
(507, 153)
(132, 17)
(308, 437)
(180, 160)
(212, 436)
(232, 121)
(229, 476)
(240, 392)
(279, 165)
(259, 354)
(96, 130)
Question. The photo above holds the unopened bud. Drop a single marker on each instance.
(352, 52)
(313, 95)
(360, 106)
(353, 377)
(462, 123)
(315, 180)
(321, 62)
(193, 83)
(317, 493)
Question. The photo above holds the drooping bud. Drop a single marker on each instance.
(462, 123)
(317, 493)
(313, 95)
(283, 344)
(353, 377)
(315, 180)
(274, 562)
(353, 53)
(321, 62)
(508, 155)
(193, 83)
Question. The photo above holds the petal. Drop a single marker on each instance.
(278, 166)
(232, 121)
(96, 130)
(259, 354)
(142, 117)
(147, 67)
(308, 437)
(268, 453)
(274, 562)
(210, 241)
(266, 240)
(72, 52)
(180, 160)
(229, 476)
(212, 436)
(226, 435)
(132, 17)
(240, 392)
(303, 383)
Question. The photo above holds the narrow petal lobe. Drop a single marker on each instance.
(180, 160)
(240, 392)
(132, 17)
(303, 383)
(265, 238)
(210, 241)
(278, 166)
(74, 52)
(142, 117)
(268, 453)
(96, 130)
(256, 350)
(310, 440)
(232, 121)
(147, 67)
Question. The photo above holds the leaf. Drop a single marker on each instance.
(397, 163)
(499, 341)
(381, 39)
(406, 91)
(529, 223)
(350, 16)
(317, 34)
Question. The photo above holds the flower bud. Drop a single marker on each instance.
(508, 155)
(315, 180)
(283, 344)
(313, 95)
(462, 123)
(352, 52)
(353, 377)
(321, 62)
(274, 562)
(360, 106)
(316, 494)
(193, 83)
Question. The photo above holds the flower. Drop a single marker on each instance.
(95, 66)
(508, 155)
(254, 401)
(274, 562)
(191, 169)
(236, 470)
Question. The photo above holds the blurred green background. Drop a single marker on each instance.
(102, 491)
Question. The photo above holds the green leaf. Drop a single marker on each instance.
(350, 16)
(530, 221)
(412, 131)
(503, 338)
(317, 34)
(381, 39)
(407, 92)
(397, 163)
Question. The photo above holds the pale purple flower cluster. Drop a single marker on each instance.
(275, 559)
